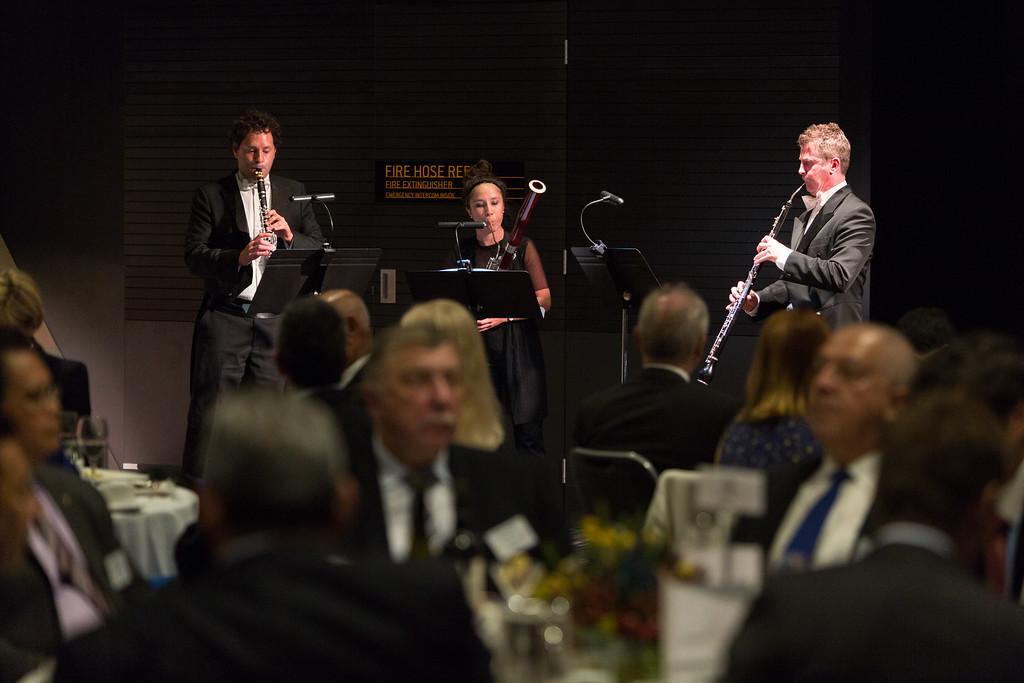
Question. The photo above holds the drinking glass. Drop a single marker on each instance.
(92, 441)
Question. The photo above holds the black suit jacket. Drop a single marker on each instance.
(490, 488)
(217, 233)
(29, 627)
(829, 265)
(671, 422)
(781, 486)
(900, 614)
(73, 379)
(292, 614)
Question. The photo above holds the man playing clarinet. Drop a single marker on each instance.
(236, 224)
(826, 264)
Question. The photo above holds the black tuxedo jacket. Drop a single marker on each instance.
(29, 626)
(292, 614)
(900, 614)
(829, 265)
(671, 422)
(217, 233)
(490, 488)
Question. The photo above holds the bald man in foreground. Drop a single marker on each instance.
(358, 335)
(816, 512)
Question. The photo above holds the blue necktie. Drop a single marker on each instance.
(800, 551)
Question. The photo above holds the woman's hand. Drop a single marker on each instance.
(490, 323)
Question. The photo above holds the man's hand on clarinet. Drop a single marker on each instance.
(277, 223)
(749, 304)
(255, 249)
(770, 249)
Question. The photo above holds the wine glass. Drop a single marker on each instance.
(92, 440)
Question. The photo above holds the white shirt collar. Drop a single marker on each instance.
(246, 185)
(917, 535)
(821, 198)
(352, 370)
(865, 465)
(671, 368)
(390, 467)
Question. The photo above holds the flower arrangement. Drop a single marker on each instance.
(612, 584)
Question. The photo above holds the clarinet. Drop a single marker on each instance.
(503, 259)
(269, 236)
(706, 373)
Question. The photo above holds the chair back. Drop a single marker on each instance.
(672, 511)
(616, 483)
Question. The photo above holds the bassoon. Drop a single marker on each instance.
(503, 259)
(706, 373)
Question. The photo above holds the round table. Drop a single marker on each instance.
(148, 533)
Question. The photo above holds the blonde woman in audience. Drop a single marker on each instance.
(480, 424)
(21, 306)
(771, 428)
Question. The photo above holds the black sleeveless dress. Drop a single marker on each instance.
(514, 350)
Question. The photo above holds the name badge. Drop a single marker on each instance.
(511, 537)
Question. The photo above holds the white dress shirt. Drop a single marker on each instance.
(838, 538)
(397, 498)
(822, 198)
(251, 205)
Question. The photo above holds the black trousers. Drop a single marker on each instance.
(228, 350)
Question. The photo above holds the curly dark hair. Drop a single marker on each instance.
(254, 120)
(479, 173)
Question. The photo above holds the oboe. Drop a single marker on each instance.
(706, 373)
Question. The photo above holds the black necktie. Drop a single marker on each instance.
(421, 482)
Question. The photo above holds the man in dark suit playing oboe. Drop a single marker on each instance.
(826, 265)
(232, 231)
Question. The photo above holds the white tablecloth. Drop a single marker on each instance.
(149, 535)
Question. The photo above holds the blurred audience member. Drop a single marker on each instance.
(279, 604)
(816, 512)
(910, 610)
(21, 306)
(772, 428)
(311, 348)
(480, 422)
(358, 336)
(418, 490)
(927, 329)
(18, 508)
(76, 574)
(661, 414)
(990, 368)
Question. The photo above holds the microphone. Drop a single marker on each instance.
(327, 197)
(457, 225)
(611, 198)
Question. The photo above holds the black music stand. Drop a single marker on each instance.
(289, 273)
(347, 269)
(486, 293)
(623, 279)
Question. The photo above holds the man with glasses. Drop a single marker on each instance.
(826, 265)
